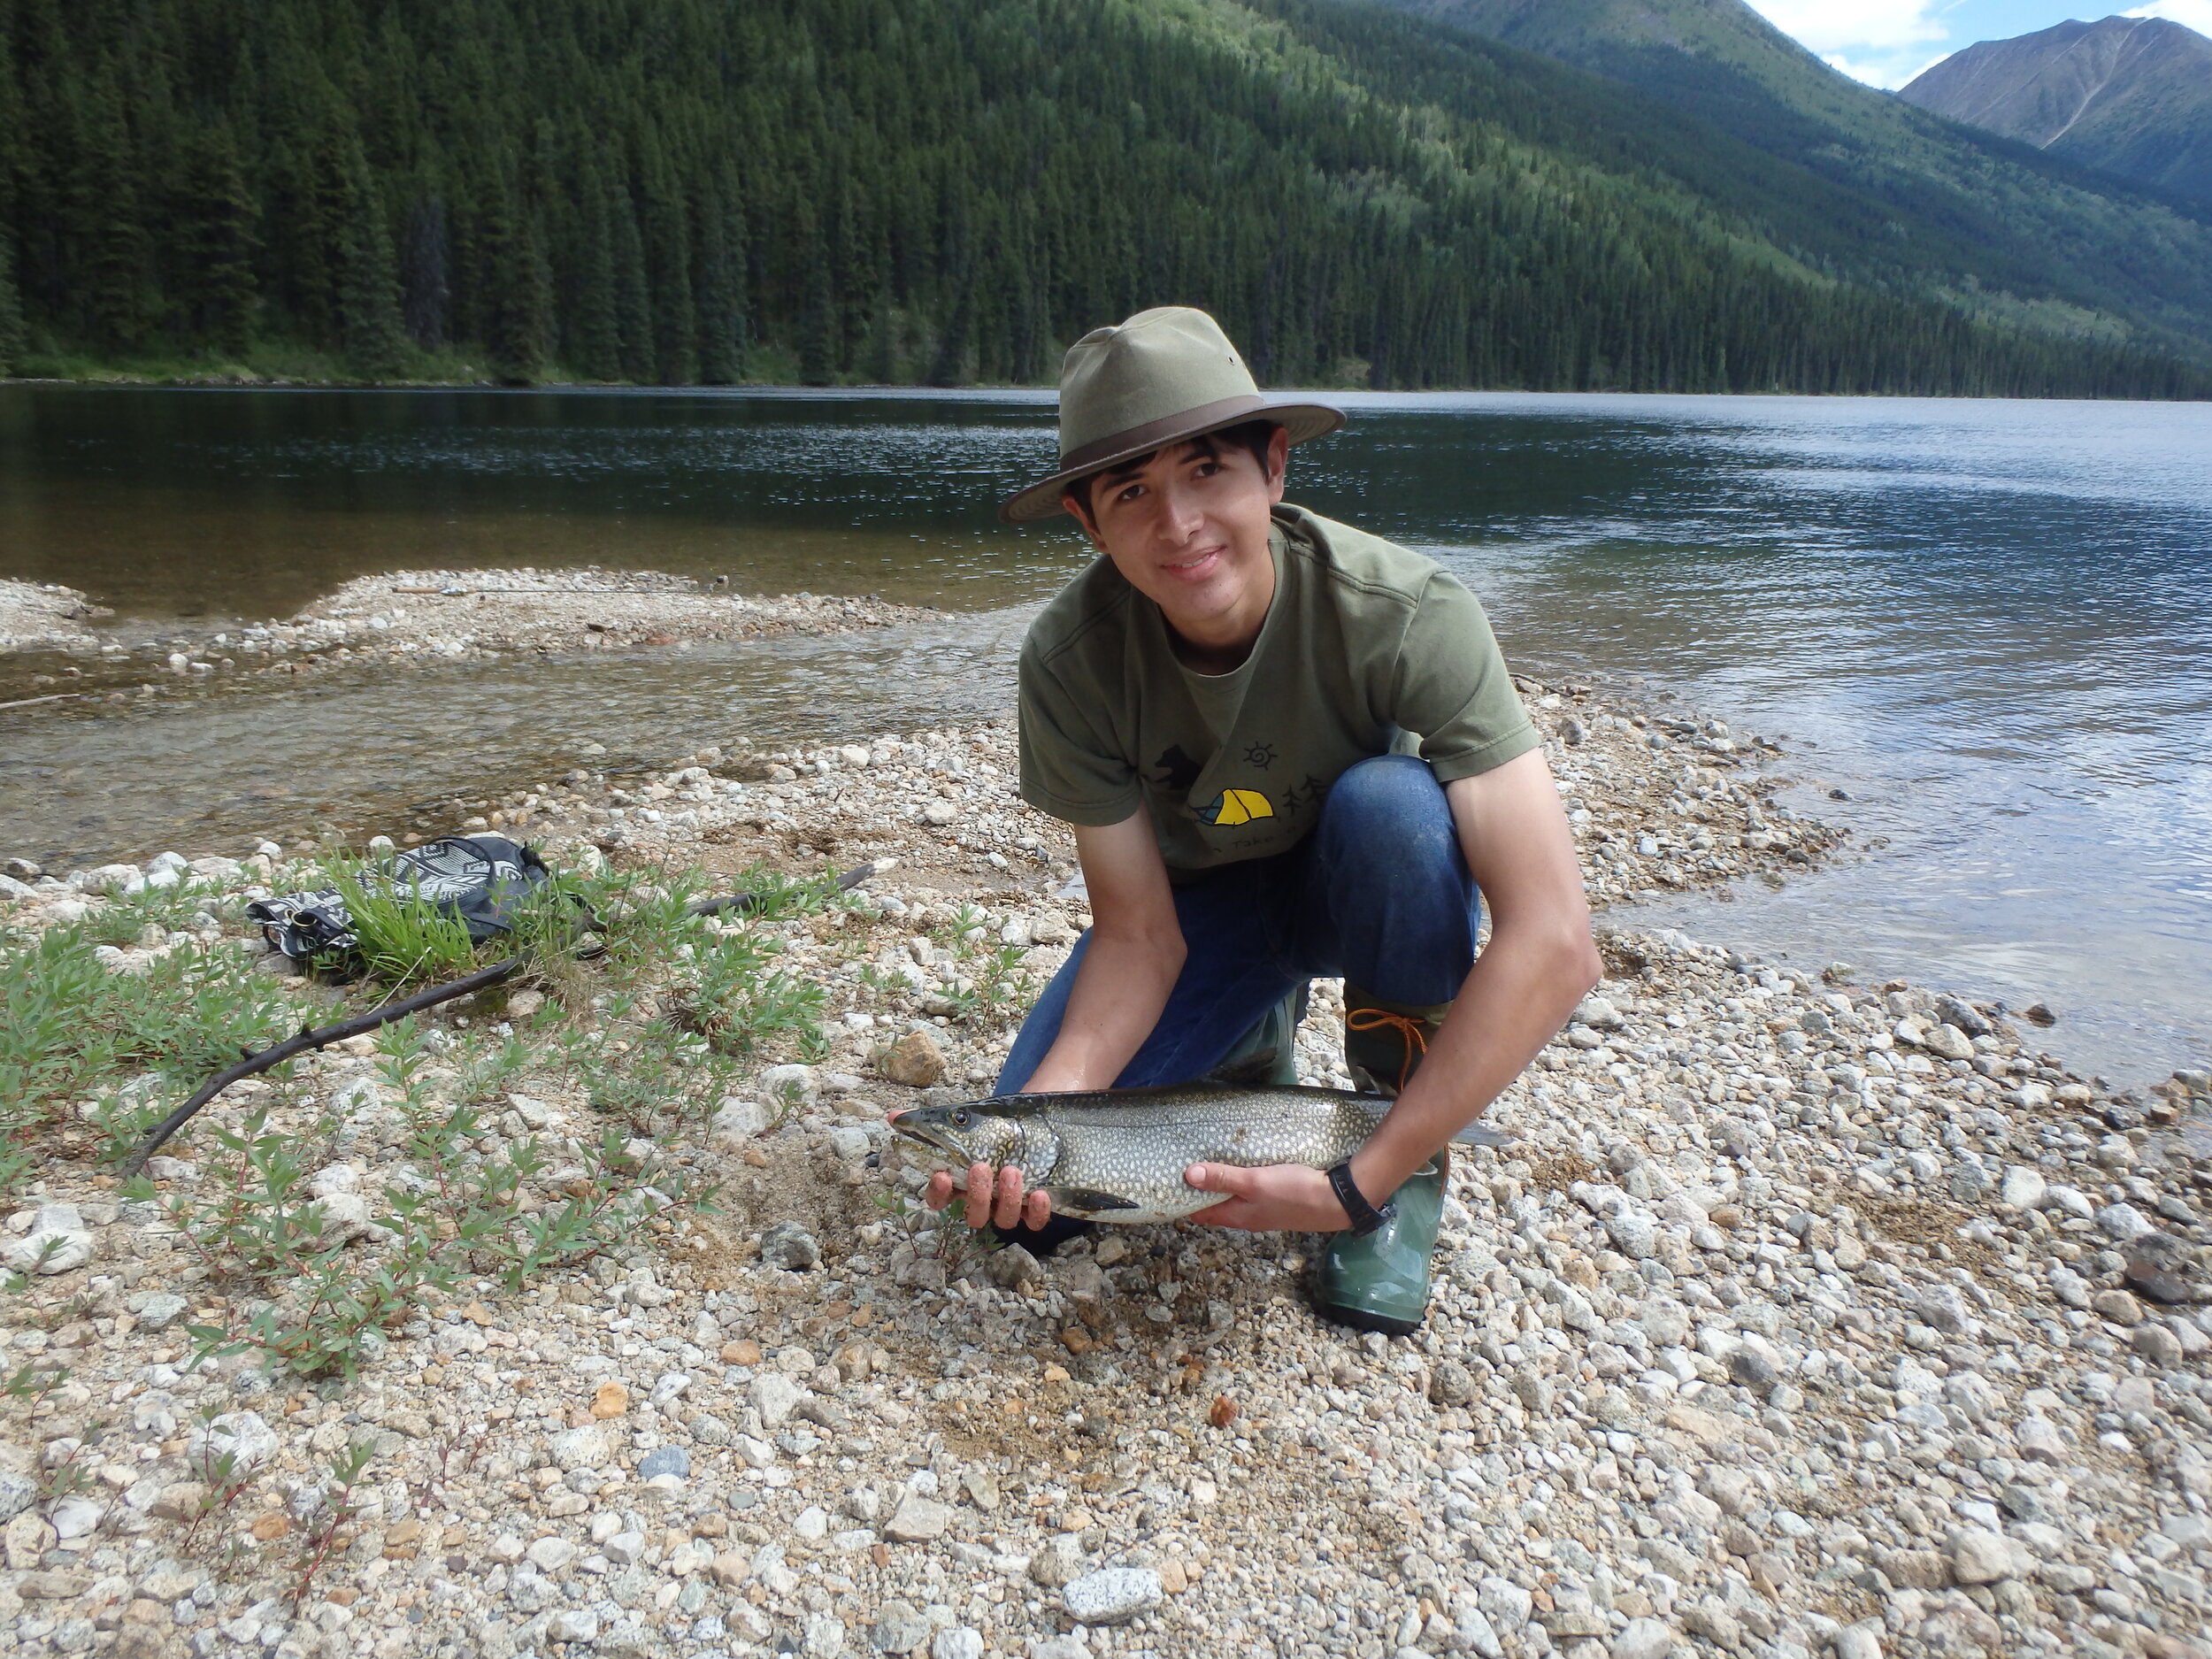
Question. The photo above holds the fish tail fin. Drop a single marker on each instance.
(1481, 1134)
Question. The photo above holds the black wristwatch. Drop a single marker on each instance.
(1365, 1217)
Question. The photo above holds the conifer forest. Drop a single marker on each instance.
(914, 191)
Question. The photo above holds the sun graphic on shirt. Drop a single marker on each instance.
(1260, 755)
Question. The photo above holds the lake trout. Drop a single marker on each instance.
(1119, 1155)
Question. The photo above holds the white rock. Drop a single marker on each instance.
(962, 1641)
(1598, 1014)
(550, 1555)
(2124, 1222)
(774, 1396)
(1858, 1641)
(235, 1444)
(1983, 1557)
(576, 1624)
(588, 1448)
(2023, 1189)
(57, 1242)
(1642, 1638)
(1113, 1596)
(739, 1119)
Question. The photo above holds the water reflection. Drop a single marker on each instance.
(1989, 623)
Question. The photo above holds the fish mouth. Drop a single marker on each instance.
(912, 1125)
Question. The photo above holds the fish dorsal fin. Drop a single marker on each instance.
(1250, 1071)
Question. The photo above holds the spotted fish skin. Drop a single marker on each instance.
(1119, 1155)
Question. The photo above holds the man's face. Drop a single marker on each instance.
(1187, 527)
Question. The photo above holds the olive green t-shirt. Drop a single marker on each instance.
(1366, 647)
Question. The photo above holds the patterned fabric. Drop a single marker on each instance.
(482, 879)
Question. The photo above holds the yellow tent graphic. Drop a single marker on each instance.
(1236, 806)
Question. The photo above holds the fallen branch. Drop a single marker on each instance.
(321, 1037)
(52, 696)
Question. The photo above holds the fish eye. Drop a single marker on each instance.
(960, 1120)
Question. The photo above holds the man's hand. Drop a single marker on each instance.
(993, 1203)
(1277, 1198)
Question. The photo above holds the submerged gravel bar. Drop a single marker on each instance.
(1805, 1317)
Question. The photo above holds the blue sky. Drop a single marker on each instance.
(1886, 43)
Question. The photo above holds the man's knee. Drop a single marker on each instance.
(1395, 797)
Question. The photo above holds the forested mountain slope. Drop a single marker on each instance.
(2126, 95)
(947, 190)
(2014, 223)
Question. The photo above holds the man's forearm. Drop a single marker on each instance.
(1513, 1001)
(1119, 993)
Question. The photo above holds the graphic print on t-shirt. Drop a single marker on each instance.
(1177, 771)
(1232, 807)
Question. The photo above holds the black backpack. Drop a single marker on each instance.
(483, 880)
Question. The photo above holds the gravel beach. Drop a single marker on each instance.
(402, 618)
(1804, 1317)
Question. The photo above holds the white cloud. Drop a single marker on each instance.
(1883, 42)
(2195, 14)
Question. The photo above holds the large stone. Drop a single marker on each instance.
(737, 1120)
(1058, 1563)
(899, 1628)
(16, 1494)
(2023, 1188)
(1642, 1638)
(588, 1448)
(2156, 1343)
(57, 1242)
(229, 1448)
(918, 1520)
(1113, 1596)
(2117, 1306)
(962, 1641)
(573, 1624)
(789, 1245)
(914, 1060)
(774, 1396)
(1985, 1557)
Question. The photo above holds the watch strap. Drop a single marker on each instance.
(1365, 1217)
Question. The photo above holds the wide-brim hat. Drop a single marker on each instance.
(1166, 376)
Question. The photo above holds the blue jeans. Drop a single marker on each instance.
(1377, 894)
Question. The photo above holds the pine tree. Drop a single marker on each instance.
(721, 290)
(13, 337)
(211, 277)
(521, 332)
(424, 279)
(370, 332)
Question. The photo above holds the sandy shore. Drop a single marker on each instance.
(1802, 1318)
(404, 618)
(45, 616)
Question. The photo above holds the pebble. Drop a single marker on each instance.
(1799, 1296)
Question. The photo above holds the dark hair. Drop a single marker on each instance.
(1253, 435)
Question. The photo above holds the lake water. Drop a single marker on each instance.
(1988, 623)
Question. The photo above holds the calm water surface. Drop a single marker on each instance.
(1989, 623)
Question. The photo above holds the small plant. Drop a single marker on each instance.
(335, 1513)
(401, 937)
(740, 1005)
(125, 915)
(71, 1475)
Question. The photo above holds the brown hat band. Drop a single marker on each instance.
(1153, 433)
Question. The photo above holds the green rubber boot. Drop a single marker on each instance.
(1381, 1282)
